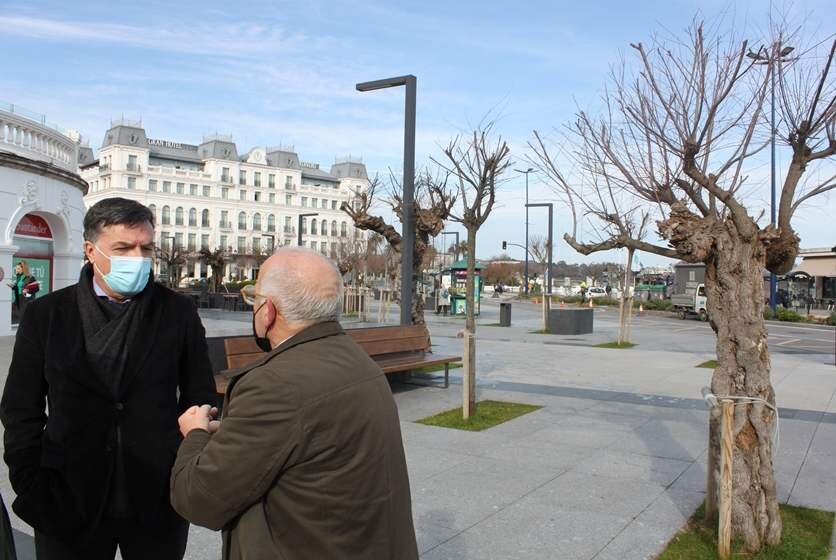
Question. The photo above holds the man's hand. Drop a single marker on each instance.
(199, 418)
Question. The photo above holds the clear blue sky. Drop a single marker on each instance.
(284, 72)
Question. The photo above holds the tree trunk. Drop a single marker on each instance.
(734, 286)
(469, 381)
(625, 312)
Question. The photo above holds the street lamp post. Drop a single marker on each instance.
(526, 172)
(299, 229)
(408, 197)
(170, 267)
(772, 58)
(547, 289)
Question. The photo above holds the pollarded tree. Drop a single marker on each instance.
(678, 141)
(433, 201)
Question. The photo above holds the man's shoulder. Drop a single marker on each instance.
(170, 297)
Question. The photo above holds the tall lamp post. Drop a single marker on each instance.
(547, 289)
(526, 172)
(408, 217)
(772, 57)
(170, 267)
(299, 230)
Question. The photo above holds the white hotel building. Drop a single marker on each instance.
(208, 195)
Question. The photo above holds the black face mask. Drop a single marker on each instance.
(261, 341)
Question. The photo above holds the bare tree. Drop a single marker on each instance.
(174, 258)
(539, 248)
(477, 162)
(675, 144)
(216, 259)
(433, 201)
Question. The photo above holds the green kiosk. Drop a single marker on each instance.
(455, 279)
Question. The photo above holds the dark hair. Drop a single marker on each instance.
(114, 212)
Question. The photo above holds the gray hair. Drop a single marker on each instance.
(304, 301)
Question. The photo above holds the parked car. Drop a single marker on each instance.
(596, 292)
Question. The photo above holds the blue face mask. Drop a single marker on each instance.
(128, 275)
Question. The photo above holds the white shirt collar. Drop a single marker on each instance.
(101, 293)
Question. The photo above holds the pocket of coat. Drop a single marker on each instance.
(49, 506)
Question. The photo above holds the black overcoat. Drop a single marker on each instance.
(61, 457)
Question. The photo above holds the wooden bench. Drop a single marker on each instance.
(395, 349)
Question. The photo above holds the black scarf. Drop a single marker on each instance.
(111, 333)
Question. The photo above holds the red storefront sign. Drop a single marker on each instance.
(32, 225)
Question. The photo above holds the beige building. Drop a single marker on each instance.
(208, 195)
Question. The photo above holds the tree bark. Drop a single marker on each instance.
(469, 381)
(734, 285)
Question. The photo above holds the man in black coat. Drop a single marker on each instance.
(118, 358)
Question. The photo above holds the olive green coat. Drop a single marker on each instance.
(308, 462)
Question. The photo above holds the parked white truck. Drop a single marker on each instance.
(689, 291)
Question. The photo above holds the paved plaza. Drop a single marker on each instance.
(614, 462)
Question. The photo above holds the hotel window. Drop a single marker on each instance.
(314, 202)
(271, 181)
(334, 204)
(167, 186)
(178, 240)
(288, 224)
(271, 223)
(242, 220)
(323, 248)
(192, 217)
(242, 177)
(132, 182)
(192, 241)
(152, 185)
(256, 245)
(343, 229)
(288, 199)
(207, 190)
(225, 175)
(224, 245)
(288, 181)
(305, 226)
(242, 195)
(313, 227)
(225, 219)
(242, 245)
(153, 209)
(132, 165)
(225, 193)
(257, 221)
(272, 198)
(257, 179)
(304, 202)
(193, 190)
(257, 196)
(166, 216)
(313, 245)
(334, 228)
(204, 218)
(181, 188)
(204, 241)
(178, 216)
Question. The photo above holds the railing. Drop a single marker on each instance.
(289, 229)
(225, 225)
(27, 134)
(135, 168)
(291, 187)
(226, 179)
(104, 169)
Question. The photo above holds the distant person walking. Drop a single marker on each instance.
(444, 300)
(24, 287)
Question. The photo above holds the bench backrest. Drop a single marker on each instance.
(240, 351)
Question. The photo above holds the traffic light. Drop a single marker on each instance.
(504, 245)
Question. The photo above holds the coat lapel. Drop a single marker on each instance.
(67, 341)
(146, 337)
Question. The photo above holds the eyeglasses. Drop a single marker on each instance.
(250, 295)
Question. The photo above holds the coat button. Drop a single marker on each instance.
(120, 406)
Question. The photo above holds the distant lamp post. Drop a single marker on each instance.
(408, 196)
(773, 57)
(547, 286)
(526, 172)
(299, 230)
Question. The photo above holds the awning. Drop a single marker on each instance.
(822, 266)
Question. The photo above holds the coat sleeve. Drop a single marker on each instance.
(216, 478)
(197, 384)
(23, 406)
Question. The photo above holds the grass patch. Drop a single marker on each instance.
(489, 325)
(488, 414)
(807, 534)
(539, 331)
(616, 345)
(710, 364)
(436, 367)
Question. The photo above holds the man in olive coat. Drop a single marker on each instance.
(308, 461)
(117, 358)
